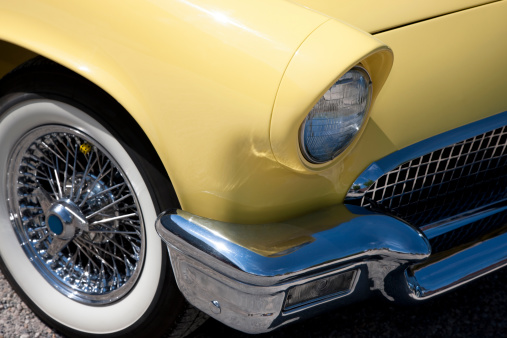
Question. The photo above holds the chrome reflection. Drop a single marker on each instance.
(457, 268)
(251, 285)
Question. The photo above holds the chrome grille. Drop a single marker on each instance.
(446, 182)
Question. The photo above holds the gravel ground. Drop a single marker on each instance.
(478, 309)
(16, 319)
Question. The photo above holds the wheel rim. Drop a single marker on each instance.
(75, 214)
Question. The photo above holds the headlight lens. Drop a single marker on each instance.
(337, 117)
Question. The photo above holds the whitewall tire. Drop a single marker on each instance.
(78, 207)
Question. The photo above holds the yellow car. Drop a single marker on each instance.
(293, 156)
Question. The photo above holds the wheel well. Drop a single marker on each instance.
(15, 59)
(11, 56)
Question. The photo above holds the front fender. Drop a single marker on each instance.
(201, 80)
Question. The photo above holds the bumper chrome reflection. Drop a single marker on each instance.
(241, 274)
(449, 270)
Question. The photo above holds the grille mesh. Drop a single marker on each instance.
(444, 183)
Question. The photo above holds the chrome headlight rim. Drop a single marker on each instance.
(301, 140)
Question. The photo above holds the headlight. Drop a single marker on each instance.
(337, 117)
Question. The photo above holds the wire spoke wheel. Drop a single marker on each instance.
(76, 214)
(80, 190)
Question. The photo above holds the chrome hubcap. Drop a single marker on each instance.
(75, 214)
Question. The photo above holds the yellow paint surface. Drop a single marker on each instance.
(202, 81)
(375, 16)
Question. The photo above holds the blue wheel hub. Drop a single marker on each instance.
(55, 224)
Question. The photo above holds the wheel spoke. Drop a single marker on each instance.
(57, 179)
(97, 179)
(106, 220)
(52, 183)
(108, 190)
(51, 150)
(78, 194)
(73, 182)
(66, 162)
(108, 206)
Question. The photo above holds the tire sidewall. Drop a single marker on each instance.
(21, 113)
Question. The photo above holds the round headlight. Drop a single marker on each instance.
(337, 117)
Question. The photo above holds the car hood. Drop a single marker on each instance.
(376, 16)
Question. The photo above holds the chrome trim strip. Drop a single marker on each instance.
(388, 163)
(441, 227)
(435, 277)
(213, 267)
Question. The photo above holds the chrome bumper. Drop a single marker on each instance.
(253, 277)
(242, 274)
(256, 278)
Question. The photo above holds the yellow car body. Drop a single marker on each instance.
(221, 89)
(243, 56)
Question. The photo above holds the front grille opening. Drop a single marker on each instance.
(464, 176)
(446, 183)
